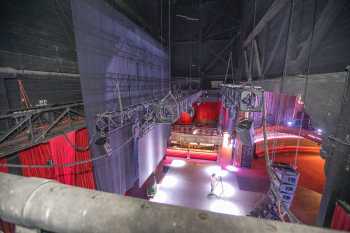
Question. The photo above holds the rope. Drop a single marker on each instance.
(306, 82)
(284, 74)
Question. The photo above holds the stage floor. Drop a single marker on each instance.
(189, 185)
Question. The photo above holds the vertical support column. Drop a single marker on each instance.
(336, 150)
(200, 46)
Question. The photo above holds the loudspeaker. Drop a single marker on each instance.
(245, 131)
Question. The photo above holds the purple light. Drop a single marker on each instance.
(289, 123)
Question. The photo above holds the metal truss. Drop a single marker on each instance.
(248, 98)
(26, 128)
(143, 116)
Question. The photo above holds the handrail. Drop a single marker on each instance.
(47, 205)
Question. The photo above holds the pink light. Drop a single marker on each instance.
(260, 139)
(314, 137)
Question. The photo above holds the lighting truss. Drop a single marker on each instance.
(143, 116)
(248, 98)
(25, 128)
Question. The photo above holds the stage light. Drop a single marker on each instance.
(319, 131)
(290, 123)
(215, 169)
(224, 190)
(169, 181)
(224, 207)
(178, 163)
(160, 197)
(231, 168)
(225, 140)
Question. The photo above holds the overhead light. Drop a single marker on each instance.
(290, 123)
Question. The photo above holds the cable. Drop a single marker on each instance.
(306, 81)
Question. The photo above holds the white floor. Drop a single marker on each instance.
(187, 183)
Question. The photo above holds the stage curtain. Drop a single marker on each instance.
(341, 217)
(84, 172)
(62, 152)
(185, 119)
(3, 169)
(207, 112)
(40, 155)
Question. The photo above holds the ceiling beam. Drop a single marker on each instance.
(219, 54)
(322, 27)
(274, 9)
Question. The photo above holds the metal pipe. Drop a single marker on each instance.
(45, 204)
(10, 70)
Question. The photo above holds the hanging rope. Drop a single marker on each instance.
(284, 74)
(306, 82)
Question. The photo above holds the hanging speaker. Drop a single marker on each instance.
(245, 131)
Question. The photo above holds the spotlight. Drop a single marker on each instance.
(177, 163)
(169, 181)
(319, 131)
(225, 140)
(290, 123)
(231, 168)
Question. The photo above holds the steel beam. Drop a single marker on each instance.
(17, 126)
(51, 206)
(274, 9)
(277, 44)
(257, 58)
(213, 62)
(323, 24)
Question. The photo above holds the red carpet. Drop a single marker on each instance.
(310, 167)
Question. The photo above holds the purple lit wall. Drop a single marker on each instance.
(113, 50)
(151, 147)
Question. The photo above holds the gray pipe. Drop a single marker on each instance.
(48, 205)
(10, 70)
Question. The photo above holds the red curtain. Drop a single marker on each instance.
(3, 168)
(207, 112)
(62, 152)
(83, 172)
(185, 119)
(40, 155)
(341, 217)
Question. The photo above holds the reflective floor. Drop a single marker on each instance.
(187, 183)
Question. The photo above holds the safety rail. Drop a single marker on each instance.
(35, 204)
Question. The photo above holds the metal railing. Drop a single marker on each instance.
(33, 203)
